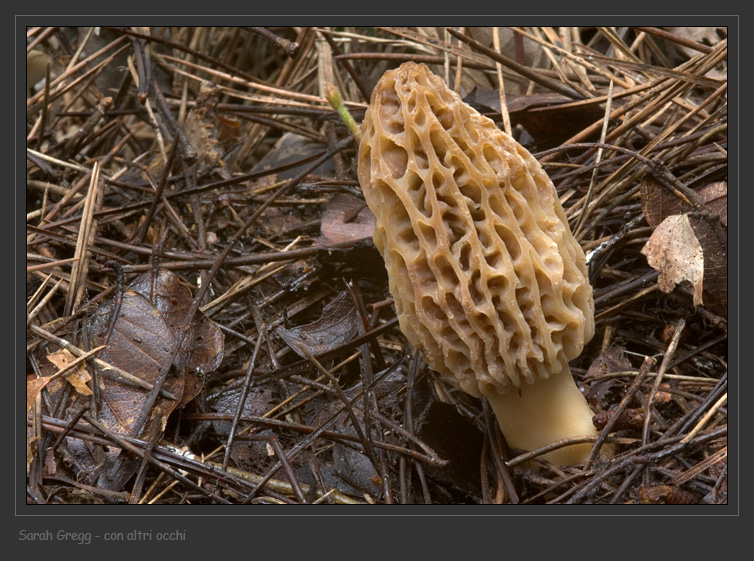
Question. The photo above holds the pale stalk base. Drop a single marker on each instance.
(539, 414)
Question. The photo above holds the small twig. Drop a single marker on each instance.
(179, 136)
(80, 268)
(518, 460)
(704, 420)
(675, 39)
(120, 280)
(43, 302)
(365, 440)
(154, 434)
(69, 426)
(138, 236)
(295, 485)
(658, 379)
(242, 398)
(289, 47)
(347, 65)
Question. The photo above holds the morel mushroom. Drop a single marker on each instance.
(488, 281)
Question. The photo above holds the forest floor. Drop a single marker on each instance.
(197, 238)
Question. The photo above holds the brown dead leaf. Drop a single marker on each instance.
(714, 197)
(338, 325)
(549, 118)
(598, 384)
(290, 149)
(140, 339)
(259, 400)
(657, 203)
(345, 219)
(714, 241)
(675, 252)
(203, 347)
(33, 388)
(209, 132)
(141, 343)
(78, 377)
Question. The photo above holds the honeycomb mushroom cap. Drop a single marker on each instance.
(487, 278)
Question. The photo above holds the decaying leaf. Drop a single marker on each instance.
(713, 239)
(674, 251)
(33, 387)
(549, 118)
(202, 349)
(78, 377)
(208, 131)
(346, 219)
(709, 227)
(667, 495)
(657, 203)
(338, 325)
(714, 197)
(140, 343)
(259, 400)
(292, 148)
(598, 383)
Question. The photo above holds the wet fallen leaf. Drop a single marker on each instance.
(203, 347)
(140, 343)
(292, 148)
(338, 325)
(714, 197)
(657, 203)
(259, 400)
(345, 219)
(454, 438)
(714, 241)
(674, 251)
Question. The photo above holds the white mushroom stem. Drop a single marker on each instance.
(547, 411)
